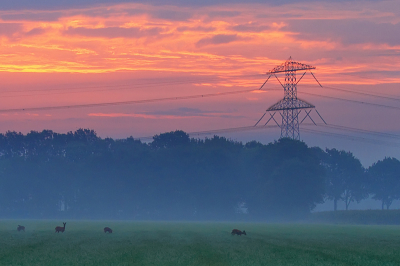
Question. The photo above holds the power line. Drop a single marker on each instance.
(353, 101)
(152, 83)
(147, 84)
(357, 130)
(127, 102)
(357, 138)
(387, 97)
(362, 93)
(123, 102)
(380, 134)
(354, 74)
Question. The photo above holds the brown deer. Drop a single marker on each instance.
(107, 229)
(60, 228)
(21, 228)
(238, 232)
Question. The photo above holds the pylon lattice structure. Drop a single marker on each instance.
(290, 106)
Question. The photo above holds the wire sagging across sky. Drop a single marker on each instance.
(146, 83)
(45, 108)
(235, 129)
(386, 97)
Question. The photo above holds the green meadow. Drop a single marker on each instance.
(182, 243)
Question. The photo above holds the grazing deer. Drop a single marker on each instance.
(60, 228)
(107, 229)
(238, 232)
(21, 228)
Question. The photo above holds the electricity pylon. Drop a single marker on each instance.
(290, 106)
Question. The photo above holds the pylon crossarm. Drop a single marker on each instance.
(301, 77)
(294, 69)
(290, 105)
(260, 119)
(290, 65)
(316, 79)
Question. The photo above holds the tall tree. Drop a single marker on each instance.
(170, 139)
(293, 183)
(345, 179)
(385, 181)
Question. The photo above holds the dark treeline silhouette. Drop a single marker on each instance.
(80, 175)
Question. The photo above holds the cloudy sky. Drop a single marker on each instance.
(62, 53)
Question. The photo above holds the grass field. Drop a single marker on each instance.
(179, 243)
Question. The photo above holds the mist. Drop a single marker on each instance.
(78, 175)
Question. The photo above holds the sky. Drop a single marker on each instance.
(63, 53)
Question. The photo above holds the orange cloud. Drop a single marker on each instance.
(200, 41)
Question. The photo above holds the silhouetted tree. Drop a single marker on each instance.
(385, 181)
(292, 182)
(80, 175)
(345, 179)
(170, 139)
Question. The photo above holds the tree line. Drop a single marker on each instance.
(175, 177)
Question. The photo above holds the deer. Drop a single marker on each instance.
(238, 232)
(107, 229)
(60, 228)
(21, 228)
